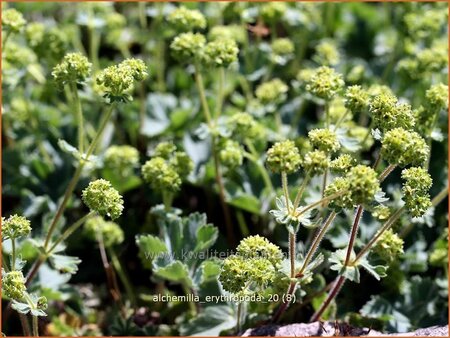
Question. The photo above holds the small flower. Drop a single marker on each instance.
(15, 226)
(188, 47)
(135, 67)
(356, 99)
(282, 50)
(342, 164)
(35, 34)
(325, 140)
(234, 32)
(231, 154)
(74, 68)
(290, 216)
(161, 175)
(403, 147)
(244, 126)
(316, 162)
(115, 21)
(165, 150)
(182, 163)
(259, 247)
(12, 20)
(13, 285)
(110, 232)
(272, 92)
(305, 75)
(283, 157)
(272, 11)
(437, 96)
(325, 83)
(184, 20)
(121, 159)
(415, 190)
(102, 198)
(221, 53)
(42, 303)
(327, 53)
(417, 205)
(364, 184)
(389, 246)
(426, 23)
(388, 114)
(381, 212)
(344, 200)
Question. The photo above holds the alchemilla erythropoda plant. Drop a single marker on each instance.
(204, 168)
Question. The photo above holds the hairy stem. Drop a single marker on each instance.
(284, 183)
(79, 117)
(300, 191)
(386, 172)
(333, 293)
(354, 232)
(13, 254)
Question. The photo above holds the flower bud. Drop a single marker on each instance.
(325, 140)
(184, 20)
(221, 53)
(283, 157)
(403, 147)
(160, 175)
(272, 92)
(101, 197)
(188, 47)
(12, 20)
(42, 303)
(389, 246)
(342, 164)
(231, 154)
(356, 99)
(437, 96)
(316, 162)
(121, 159)
(110, 232)
(364, 184)
(13, 285)
(74, 68)
(165, 150)
(325, 83)
(15, 226)
(388, 114)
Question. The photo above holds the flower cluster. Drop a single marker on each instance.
(221, 53)
(117, 80)
(283, 157)
(437, 96)
(415, 190)
(184, 20)
(282, 46)
(327, 53)
(243, 126)
(110, 232)
(13, 20)
(234, 32)
(121, 159)
(389, 246)
(231, 154)
(255, 263)
(101, 197)
(15, 226)
(74, 68)
(356, 99)
(388, 114)
(426, 23)
(272, 92)
(316, 162)
(340, 185)
(403, 147)
(325, 140)
(13, 285)
(166, 170)
(343, 163)
(272, 12)
(324, 83)
(188, 47)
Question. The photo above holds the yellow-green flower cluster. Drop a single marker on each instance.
(388, 114)
(166, 170)
(325, 140)
(231, 154)
(272, 12)
(184, 20)
(255, 263)
(74, 68)
(389, 246)
(426, 23)
(327, 53)
(425, 61)
(188, 47)
(415, 190)
(244, 126)
(110, 232)
(283, 157)
(115, 21)
(340, 185)
(437, 96)
(35, 33)
(15, 226)
(12, 20)
(101, 197)
(272, 92)
(403, 147)
(381, 212)
(325, 83)
(342, 164)
(117, 80)
(121, 159)
(13, 285)
(282, 46)
(234, 32)
(316, 162)
(356, 99)
(221, 53)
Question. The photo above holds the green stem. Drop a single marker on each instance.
(4, 262)
(321, 201)
(353, 233)
(142, 14)
(386, 172)
(13, 254)
(167, 199)
(284, 183)
(220, 92)
(79, 117)
(25, 325)
(238, 319)
(93, 41)
(69, 231)
(242, 224)
(316, 242)
(34, 320)
(324, 182)
(262, 171)
(301, 190)
(5, 40)
(292, 253)
(201, 91)
(123, 277)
